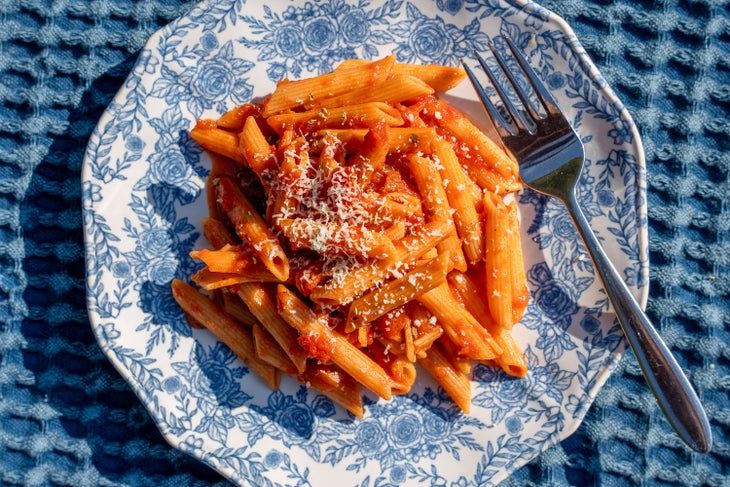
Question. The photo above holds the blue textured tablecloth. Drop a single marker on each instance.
(67, 417)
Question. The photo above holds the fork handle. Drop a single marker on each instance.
(673, 391)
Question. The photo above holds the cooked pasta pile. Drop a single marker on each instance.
(357, 228)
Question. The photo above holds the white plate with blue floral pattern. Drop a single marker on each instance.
(143, 180)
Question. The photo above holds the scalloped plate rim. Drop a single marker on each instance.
(642, 239)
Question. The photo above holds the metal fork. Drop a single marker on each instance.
(550, 156)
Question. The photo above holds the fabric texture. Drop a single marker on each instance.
(68, 418)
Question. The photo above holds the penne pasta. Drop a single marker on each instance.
(487, 163)
(217, 233)
(399, 88)
(233, 305)
(208, 280)
(357, 228)
(400, 370)
(497, 254)
(440, 78)
(371, 156)
(510, 359)
(234, 119)
(220, 166)
(353, 283)
(226, 259)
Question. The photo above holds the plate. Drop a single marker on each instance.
(143, 180)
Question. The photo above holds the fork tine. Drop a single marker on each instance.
(545, 97)
(519, 120)
(524, 99)
(499, 88)
(500, 124)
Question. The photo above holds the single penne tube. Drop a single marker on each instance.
(428, 180)
(329, 344)
(256, 150)
(217, 140)
(426, 238)
(292, 94)
(497, 261)
(488, 179)
(440, 78)
(234, 334)
(456, 384)
(261, 301)
(251, 228)
(351, 116)
(473, 340)
(335, 384)
(207, 280)
(234, 118)
(397, 292)
(473, 298)
(193, 323)
(334, 293)
(269, 350)
(467, 220)
(330, 239)
(392, 90)
(351, 62)
(520, 292)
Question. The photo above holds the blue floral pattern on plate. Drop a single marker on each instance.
(143, 180)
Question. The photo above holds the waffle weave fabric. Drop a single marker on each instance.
(67, 418)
